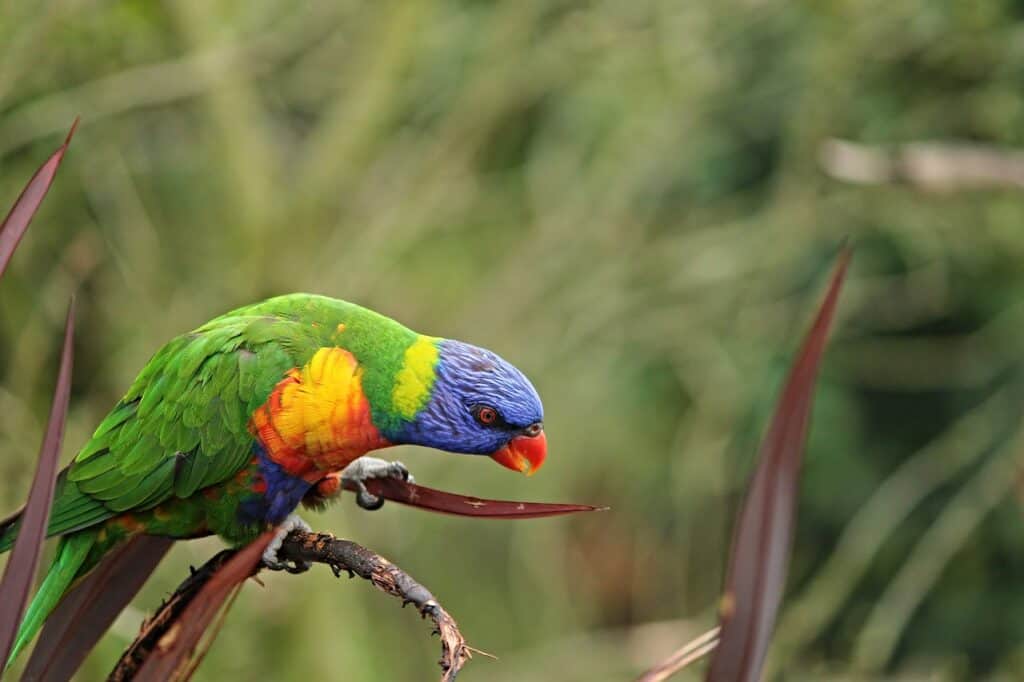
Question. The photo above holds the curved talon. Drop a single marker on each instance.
(367, 500)
(298, 566)
(294, 566)
(399, 470)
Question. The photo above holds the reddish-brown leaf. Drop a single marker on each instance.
(21, 568)
(172, 657)
(764, 532)
(461, 505)
(26, 205)
(88, 610)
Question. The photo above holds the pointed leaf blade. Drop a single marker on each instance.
(764, 531)
(21, 568)
(173, 655)
(89, 609)
(442, 502)
(25, 206)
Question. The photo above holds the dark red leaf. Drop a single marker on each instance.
(21, 569)
(88, 610)
(764, 532)
(461, 505)
(26, 205)
(172, 657)
(205, 643)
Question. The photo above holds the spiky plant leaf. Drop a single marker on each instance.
(763, 537)
(26, 205)
(89, 609)
(442, 502)
(21, 568)
(174, 657)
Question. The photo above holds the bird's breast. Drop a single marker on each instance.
(318, 418)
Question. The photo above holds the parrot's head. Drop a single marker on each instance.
(480, 404)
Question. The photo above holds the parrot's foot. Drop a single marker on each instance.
(366, 468)
(270, 558)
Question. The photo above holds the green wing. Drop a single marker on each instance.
(183, 424)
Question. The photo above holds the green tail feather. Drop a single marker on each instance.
(72, 510)
(71, 555)
(8, 532)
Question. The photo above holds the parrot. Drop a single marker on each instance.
(229, 428)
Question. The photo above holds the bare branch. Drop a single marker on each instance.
(929, 166)
(343, 556)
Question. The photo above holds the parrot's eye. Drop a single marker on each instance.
(488, 416)
(534, 429)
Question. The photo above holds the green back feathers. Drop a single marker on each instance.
(182, 425)
(398, 364)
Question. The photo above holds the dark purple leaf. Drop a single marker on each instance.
(88, 610)
(21, 569)
(461, 505)
(764, 532)
(26, 205)
(173, 656)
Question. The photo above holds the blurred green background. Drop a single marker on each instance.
(637, 202)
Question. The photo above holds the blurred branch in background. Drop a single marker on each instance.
(928, 166)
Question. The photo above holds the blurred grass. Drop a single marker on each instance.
(624, 199)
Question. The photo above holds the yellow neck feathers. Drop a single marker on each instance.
(416, 377)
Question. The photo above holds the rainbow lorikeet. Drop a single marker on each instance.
(229, 427)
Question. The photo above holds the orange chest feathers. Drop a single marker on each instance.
(317, 418)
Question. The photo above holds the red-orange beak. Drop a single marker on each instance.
(524, 454)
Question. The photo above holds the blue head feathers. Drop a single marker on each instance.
(479, 404)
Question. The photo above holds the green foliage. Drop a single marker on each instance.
(624, 198)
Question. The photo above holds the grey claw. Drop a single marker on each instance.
(366, 500)
(398, 470)
(298, 566)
